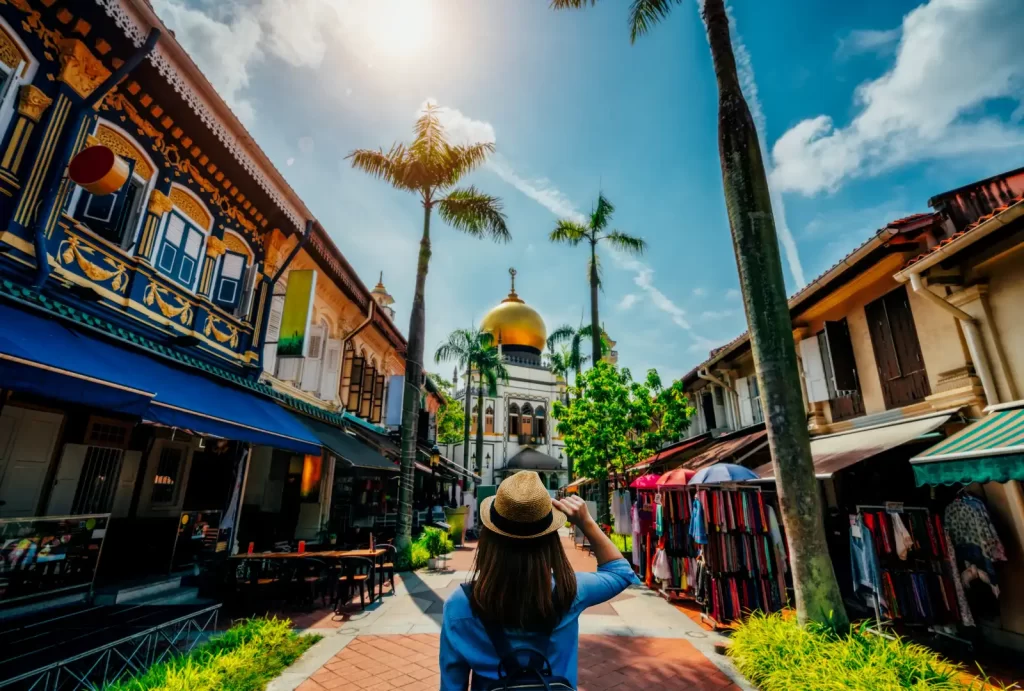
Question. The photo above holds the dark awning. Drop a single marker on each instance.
(532, 459)
(44, 357)
(354, 453)
(671, 453)
(989, 450)
(834, 452)
(732, 448)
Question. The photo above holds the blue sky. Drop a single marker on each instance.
(866, 109)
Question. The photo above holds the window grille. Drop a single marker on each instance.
(98, 481)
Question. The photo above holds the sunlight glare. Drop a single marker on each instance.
(398, 28)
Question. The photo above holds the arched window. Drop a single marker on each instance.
(540, 423)
(474, 422)
(526, 421)
(513, 419)
(17, 67)
(180, 250)
(489, 419)
(553, 481)
(116, 217)
(357, 363)
(366, 396)
(235, 275)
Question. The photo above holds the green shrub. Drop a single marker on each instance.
(436, 542)
(778, 654)
(623, 542)
(245, 658)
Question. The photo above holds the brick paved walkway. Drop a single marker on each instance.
(635, 641)
(382, 663)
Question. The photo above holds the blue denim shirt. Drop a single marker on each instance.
(465, 646)
(864, 561)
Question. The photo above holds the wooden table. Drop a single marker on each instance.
(372, 554)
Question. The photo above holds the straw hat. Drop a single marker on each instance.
(521, 508)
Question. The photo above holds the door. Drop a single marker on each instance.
(27, 440)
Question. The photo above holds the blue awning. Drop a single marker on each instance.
(44, 357)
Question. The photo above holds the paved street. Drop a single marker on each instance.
(631, 642)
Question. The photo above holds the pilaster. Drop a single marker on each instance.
(158, 205)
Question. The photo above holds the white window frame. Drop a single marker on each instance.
(158, 244)
(21, 75)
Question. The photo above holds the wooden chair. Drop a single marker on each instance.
(355, 572)
(386, 568)
(311, 578)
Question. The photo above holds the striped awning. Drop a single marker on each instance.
(989, 450)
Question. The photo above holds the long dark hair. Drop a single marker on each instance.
(512, 581)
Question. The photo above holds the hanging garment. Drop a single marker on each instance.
(697, 530)
(975, 540)
(966, 617)
(661, 568)
(864, 561)
(636, 539)
(660, 528)
(777, 543)
(904, 542)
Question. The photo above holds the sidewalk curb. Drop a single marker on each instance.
(311, 661)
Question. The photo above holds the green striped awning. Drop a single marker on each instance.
(989, 450)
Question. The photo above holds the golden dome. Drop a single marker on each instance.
(515, 323)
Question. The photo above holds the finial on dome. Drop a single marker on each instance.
(512, 297)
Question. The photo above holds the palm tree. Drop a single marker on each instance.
(752, 224)
(573, 355)
(490, 370)
(430, 167)
(573, 233)
(461, 347)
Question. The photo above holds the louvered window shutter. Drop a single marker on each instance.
(331, 367)
(312, 363)
(356, 386)
(378, 399)
(273, 334)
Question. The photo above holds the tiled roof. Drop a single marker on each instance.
(956, 236)
(33, 299)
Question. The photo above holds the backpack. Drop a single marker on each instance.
(519, 669)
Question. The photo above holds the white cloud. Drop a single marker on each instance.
(716, 315)
(862, 41)
(460, 128)
(704, 345)
(733, 294)
(290, 161)
(306, 145)
(348, 91)
(628, 300)
(539, 190)
(954, 58)
(699, 292)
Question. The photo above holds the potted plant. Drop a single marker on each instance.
(437, 543)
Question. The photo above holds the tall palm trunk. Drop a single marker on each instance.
(480, 427)
(603, 513)
(764, 296)
(465, 427)
(411, 399)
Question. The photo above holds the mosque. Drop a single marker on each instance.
(519, 432)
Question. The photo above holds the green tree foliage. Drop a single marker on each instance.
(450, 420)
(613, 421)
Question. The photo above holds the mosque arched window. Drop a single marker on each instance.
(489, 419)
(526, 421)
(474, 422)
(513, 419)
(540, 423)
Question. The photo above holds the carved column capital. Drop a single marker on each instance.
(159, 203)
(79, 68)
(32, 102)
(215, 247)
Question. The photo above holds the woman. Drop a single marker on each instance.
(522, 583)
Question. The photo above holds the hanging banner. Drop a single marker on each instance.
(298, 311)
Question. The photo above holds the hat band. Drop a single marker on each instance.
(519, 528)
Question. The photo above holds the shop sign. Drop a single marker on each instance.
(298, 311)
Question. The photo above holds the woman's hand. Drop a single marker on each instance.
(574, 508)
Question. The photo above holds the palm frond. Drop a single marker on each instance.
(602, 213)
(462, 159)
(644, 14)
(571, 4)
(562, 334)
(391, 166)
(429, 144)
(626, 243)
(474, 213)
(457, 348)
(568, 232)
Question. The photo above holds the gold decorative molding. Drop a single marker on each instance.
(214, 247)
(91, 140)
(79, 68)
(211, 329)
(191, 208)
(237, 245)
(155, 294)
(116, 142)
(10, 52)
(159, 203)
(73, 250)
(32, 102)
(175, 158)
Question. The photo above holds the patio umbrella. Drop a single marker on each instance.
(722, 472)
(645, 482)
(678, 477)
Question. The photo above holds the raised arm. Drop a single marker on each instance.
(575, 510)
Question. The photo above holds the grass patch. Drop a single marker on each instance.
(778, 654)
(245, 658)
